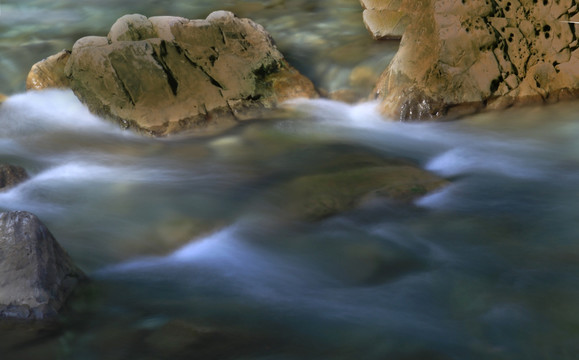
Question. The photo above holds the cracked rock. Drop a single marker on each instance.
(460, 56)
(165, 75)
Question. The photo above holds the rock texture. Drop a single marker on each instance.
(11, 175)
(459, 56)
(49, 73)
(164, 75)
(384, 18)
(36, 274)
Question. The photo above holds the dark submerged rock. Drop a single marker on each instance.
(11, 175)
(345, 177)
(36, 274)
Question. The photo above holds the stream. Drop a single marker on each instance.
(192, 256)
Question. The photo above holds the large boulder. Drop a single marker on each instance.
(459, 56)
(36, 274)
(163, 75)
(11, 175)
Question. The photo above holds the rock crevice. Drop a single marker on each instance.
(164, 75)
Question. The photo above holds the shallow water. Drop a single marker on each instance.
(188, 250)
(193, 256)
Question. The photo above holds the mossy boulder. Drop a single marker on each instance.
(166, 75)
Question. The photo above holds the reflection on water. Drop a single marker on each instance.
(190, 255)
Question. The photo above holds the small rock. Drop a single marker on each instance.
(37, 275)
(11, 175)
(49, 73)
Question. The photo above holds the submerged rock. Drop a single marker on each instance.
(11, 175)
(163, 75)
(457, 57)
(36, 274)
(49, 73)
(345, 177)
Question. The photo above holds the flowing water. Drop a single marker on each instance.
(192, 256)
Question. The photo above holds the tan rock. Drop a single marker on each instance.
(2, 98)
(49, 73)
(383, 19)
(164, 75)
(456, 57)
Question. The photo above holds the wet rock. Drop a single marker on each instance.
(384, 19)
(318, 196)
(344, 178)
(459, 57)
(163, 75)
(49, 73)
(36, 274)
(11, 175)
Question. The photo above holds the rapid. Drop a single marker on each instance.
(191, 257)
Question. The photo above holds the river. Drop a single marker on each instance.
(191, 255)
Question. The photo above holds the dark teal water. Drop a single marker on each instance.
(192, 255)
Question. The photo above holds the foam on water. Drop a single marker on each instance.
(49, 111)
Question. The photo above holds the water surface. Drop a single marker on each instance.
(192, 253)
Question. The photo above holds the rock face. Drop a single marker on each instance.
(11, 175)
(36, 274)
(383, 18)
(164, 75)
(49, 73)
(458, 56)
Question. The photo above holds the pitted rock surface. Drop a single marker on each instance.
(459, 56)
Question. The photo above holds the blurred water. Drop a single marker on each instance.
(189, 248)
(188, 251)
